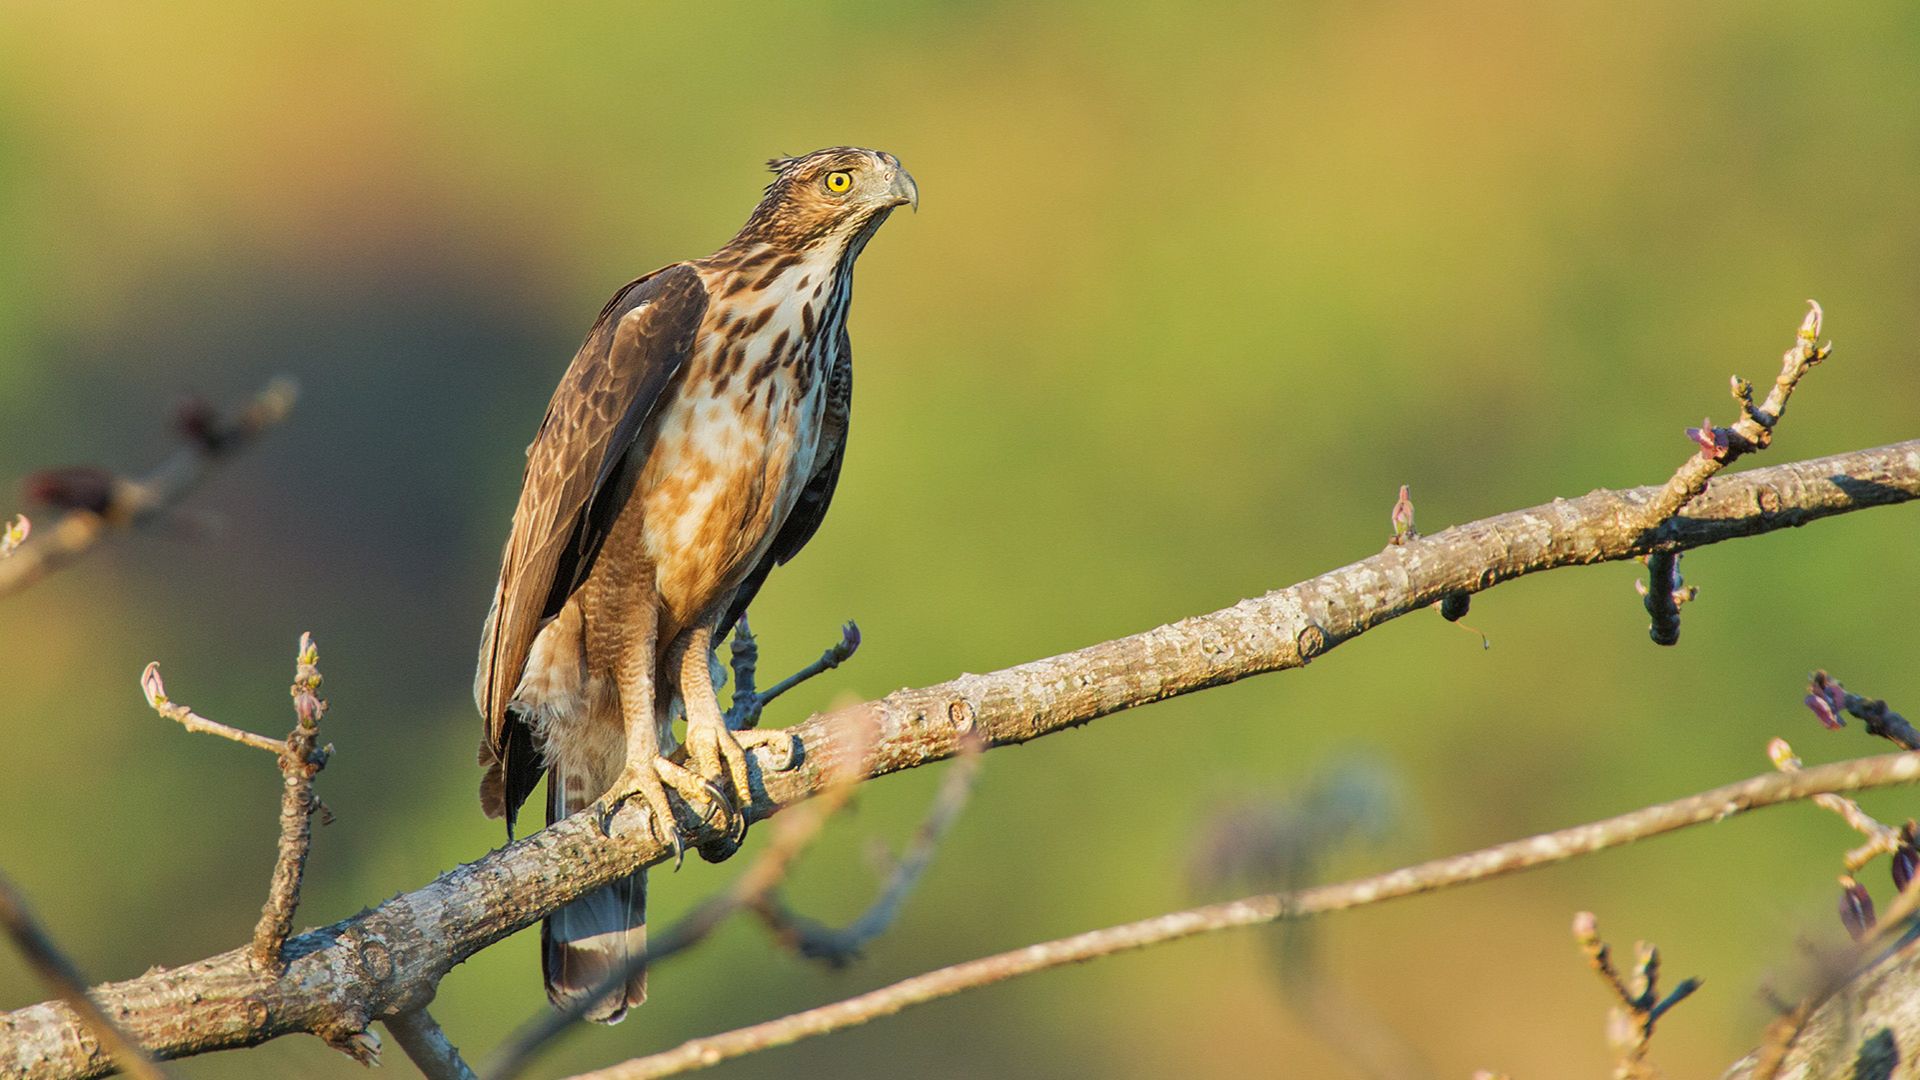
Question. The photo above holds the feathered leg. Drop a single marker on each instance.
(716, 751)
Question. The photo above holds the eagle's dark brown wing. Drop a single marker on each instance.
(811, 508)
(576, 483)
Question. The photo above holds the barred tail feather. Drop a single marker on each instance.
(583, 944)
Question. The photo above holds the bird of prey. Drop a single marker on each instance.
(693, 444)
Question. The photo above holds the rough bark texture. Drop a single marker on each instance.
(390, 958)
(1866, 1032)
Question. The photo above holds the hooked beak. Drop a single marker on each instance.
(903, 190)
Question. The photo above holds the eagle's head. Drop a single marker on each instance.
(836, 197)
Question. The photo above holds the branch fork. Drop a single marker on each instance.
(1639, 1004)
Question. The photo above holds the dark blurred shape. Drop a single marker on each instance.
(1279, 845)
(200, 424)
(1856, 908)
(1906, 858)
(72, 487)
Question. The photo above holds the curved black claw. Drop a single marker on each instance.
(673, 837)
(719, 806)
(609, 808)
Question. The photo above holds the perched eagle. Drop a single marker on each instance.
(692, 445)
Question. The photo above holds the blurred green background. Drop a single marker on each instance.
(1193, 288)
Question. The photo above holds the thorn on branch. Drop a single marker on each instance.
(1630, 1023)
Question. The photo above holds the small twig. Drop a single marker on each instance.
(793, 833)
(156, 693)
(300, 759)
(1453, 606)
(14, 535)
(1663, 592)
(1828, 700)
(1402, 519)
(1499, 860)
(838, 947)
(748, 703)
(68, 984)
(1639, 1007)
(129, 503)
(427, 1046)
(1721, 446)
(1882, 839)
(1867, 950)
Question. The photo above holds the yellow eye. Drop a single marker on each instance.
(839, 182)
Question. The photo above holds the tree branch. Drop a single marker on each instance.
(427, 1046)
(389, 959)
(65, 980)
(792, 835)
(1720, 447)
(839, 946)
(301, 758)
(1499, 860)
(126, 504)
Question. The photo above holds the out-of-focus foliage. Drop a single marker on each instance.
(1193, 289)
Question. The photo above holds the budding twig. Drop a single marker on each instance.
(1640, 1006)
(1828, 700)
(1720, 447)
(1881, 839)
(111, 502)
(156, 693)
(300, 758)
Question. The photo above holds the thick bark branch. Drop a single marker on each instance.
(389, 959)
(65, 980)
